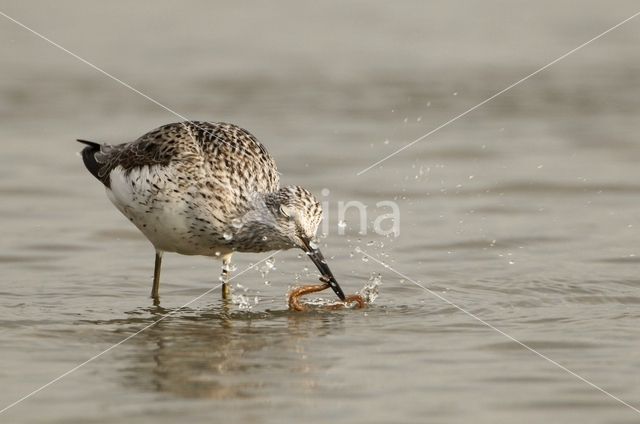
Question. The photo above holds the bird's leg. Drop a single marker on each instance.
(226, 287)
(156, 278)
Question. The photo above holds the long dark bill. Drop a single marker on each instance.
(318, 260)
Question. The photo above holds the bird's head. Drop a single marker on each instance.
(297, 215)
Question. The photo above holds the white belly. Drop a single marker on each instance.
(165, 217)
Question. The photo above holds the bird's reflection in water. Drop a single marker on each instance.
(221, 353)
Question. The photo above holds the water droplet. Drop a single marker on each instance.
(237, 223)
(365, 259)
(270, 263)
(264, 238)
(227, 235)
(242, 301)
(267, 283)
(370, 243)
(386, 141)
(358, 249)
(325, 192)
(342, 224)
(370, 291)
(313, 244)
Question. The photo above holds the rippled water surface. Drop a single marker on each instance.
(525, 213)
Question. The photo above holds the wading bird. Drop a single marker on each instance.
(210, 189)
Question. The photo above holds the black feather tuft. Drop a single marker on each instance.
(89, 159)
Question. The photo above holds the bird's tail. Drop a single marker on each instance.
(89, 157)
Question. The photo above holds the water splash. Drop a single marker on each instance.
(270, 264)
(371, 290)
(266, 267)
(241, 301)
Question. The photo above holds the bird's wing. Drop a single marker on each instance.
(221, 152)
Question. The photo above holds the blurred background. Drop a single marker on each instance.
(526, 212)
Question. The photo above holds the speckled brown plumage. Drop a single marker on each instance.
(221, 146)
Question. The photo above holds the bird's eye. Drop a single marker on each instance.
(286, 211)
